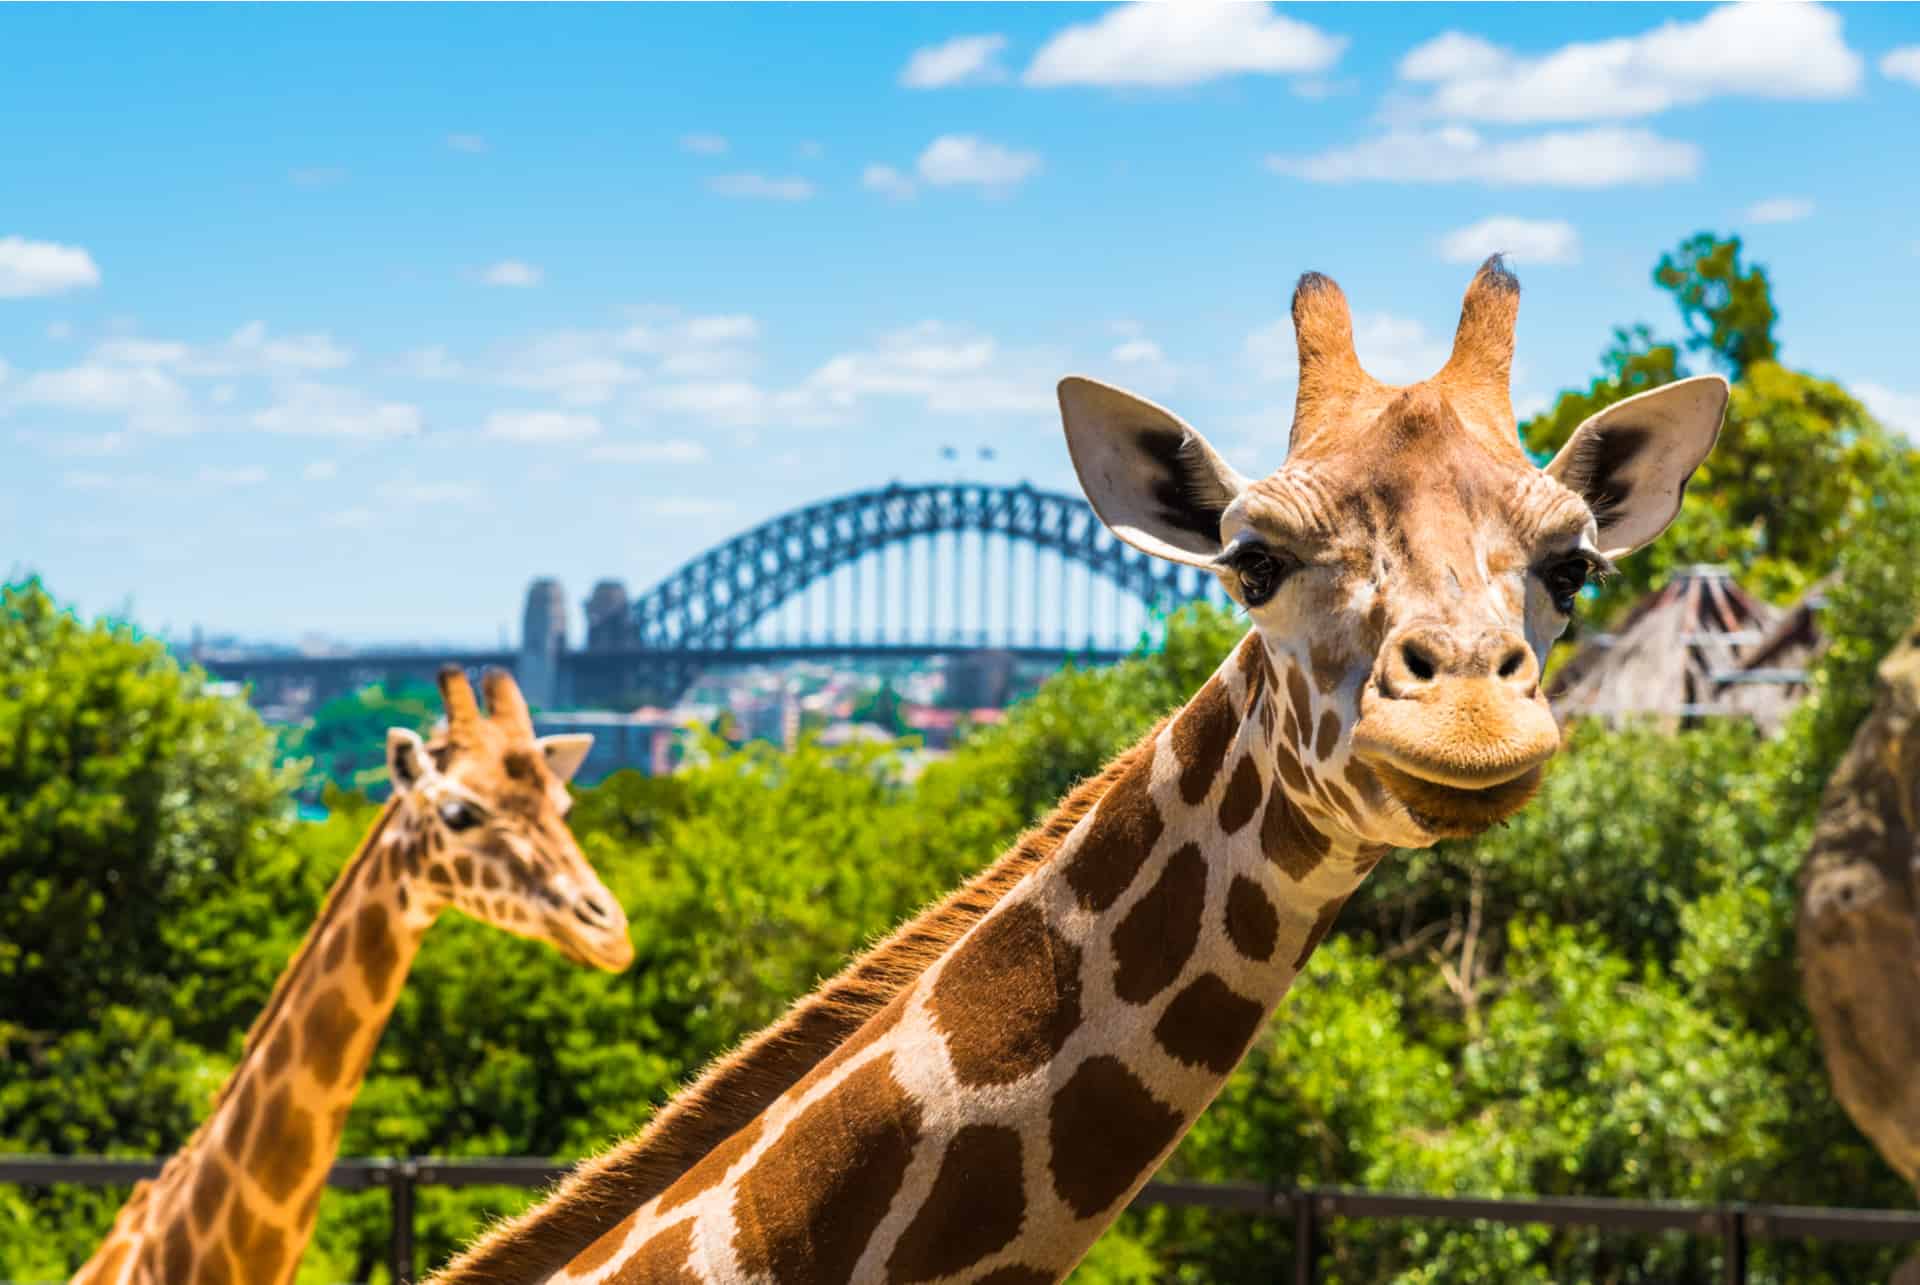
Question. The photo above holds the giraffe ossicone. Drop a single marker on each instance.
(976, 1098)
(476, 823)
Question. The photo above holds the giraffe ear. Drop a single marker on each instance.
(407, 761)
(1152, 479)
(1631, 461)
(565, 752)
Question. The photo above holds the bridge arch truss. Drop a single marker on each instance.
(712, 602)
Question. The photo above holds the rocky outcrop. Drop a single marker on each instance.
(1859, 918)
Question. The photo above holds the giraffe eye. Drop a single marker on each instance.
(1565, 578)
(1261, 573)
(459, 816)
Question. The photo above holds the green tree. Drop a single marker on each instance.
(346, 739)
(1728, 309)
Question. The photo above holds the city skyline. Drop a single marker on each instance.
(354, 322)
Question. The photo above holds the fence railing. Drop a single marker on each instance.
(1733, 1225)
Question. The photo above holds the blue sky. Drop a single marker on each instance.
(354, 319)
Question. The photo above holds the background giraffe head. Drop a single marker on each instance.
(1408, 565)
(489, 802)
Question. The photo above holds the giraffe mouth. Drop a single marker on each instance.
(1452, 811)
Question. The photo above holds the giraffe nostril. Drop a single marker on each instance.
(1418, 663)
(590, 910)
(1511, 665)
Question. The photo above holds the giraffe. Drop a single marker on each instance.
(476, 822)
(979, 1096)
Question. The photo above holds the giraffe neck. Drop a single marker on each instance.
(243, 1191)
(998, 1113)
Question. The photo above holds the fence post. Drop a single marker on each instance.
(400, 1180)
(1733, 1245)
(1305, 1226)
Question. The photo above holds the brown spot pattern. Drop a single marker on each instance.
(279, 1052)
(178, 1254)
(241, 1121)
(1329, 661)
(337, 945)
(1153, 942)
(712, 1167)
(327, 1034)
(265, 1255)
(1322, 923)
(805, 1212)
(463, 869)
(1008, 998)
(1289, 768)
(214, 1267)
(1119, 837)
(975, 1208)
(1242, 798)
(283, 1147)
(1289, 839)
(1328, 736)
(1017, 1275)
(1364, 783)
(1299, 701)
(373, 946)
(1208, 1024)
(595, 1256)
(1104, 1128)
(1253, 926)
(209, 1192)
(662, 1260)
(1200, 737)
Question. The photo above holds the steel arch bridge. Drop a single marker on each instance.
(712, 602)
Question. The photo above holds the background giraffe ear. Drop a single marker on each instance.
(565, 752)
(407, 761)
(1631, 461)
(1153, 480)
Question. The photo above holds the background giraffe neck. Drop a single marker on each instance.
(735, 1089)
(997, 1114)
(246, 1184)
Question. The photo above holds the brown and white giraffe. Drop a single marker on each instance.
(978, 1097)
(476, 822)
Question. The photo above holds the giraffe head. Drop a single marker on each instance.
(491, 801)
(1408, 565)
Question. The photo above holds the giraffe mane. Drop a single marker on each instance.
(738, 1086)
(282, 987)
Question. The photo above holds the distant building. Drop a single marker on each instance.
(646, 740)
(938, 728)
(610, 624)
(979, 679)
(543, 637)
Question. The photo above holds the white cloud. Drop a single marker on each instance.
(947, 369)
(152, 400)
(703, 144)
(1902, 64)
(964, 60)
(318, 176)
(728, 401)
(1138, 352)
(432, 362)
(728, 329)
(1894, 407)
(29, 268)
(887, 181)
(1168, 45)
(963, 159)
(761, 187)
(472, 143)
(671, 451)
(354, 519)
(326, 410)
(251, 348)
(1525, 240)
(320, 471)
(1760, 50)
(252, 475)
(1779, 209)
(1585, 158)
(133, 351)
(463, 494)
(1396, 350)
(541, 426)
(512, 273)
(84, 480)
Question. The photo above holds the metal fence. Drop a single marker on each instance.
(1735, 1226)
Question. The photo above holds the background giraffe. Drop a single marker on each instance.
(477, 822)
(977, 1099)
